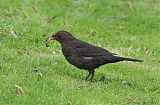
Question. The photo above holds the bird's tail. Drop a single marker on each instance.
(129, 59)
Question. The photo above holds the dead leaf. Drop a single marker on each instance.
(20, 90)
(121, 27)
(2, 76)
(2, 33)
(40, 74)
(142, 43)
(146, 50)
(135, 101)
(130, 5)
(92, 32)
(13, 33)
(50, 18)
(69, 103)
(18, 10)
(34, 9)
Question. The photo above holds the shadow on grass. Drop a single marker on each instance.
(107, 79)
(75, 74)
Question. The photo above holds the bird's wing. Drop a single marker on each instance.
(88, 50)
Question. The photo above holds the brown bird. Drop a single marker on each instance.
(84, 55)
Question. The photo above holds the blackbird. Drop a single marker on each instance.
(84, 55)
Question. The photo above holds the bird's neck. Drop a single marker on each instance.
(68, 41)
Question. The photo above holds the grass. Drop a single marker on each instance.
(32, 74)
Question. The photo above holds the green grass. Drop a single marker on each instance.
(131, 31)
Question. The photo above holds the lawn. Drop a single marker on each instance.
(31, 73)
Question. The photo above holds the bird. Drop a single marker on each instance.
(84, 55)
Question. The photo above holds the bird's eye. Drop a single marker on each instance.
(57, 35)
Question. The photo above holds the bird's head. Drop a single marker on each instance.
(61, 37)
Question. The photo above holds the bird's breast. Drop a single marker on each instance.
(69, 51)
(73, 57)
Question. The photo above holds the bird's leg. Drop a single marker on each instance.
(92, 72)
(89, 73)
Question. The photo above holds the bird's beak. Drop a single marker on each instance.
(48, 39)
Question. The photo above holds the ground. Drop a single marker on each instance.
(32, 74)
